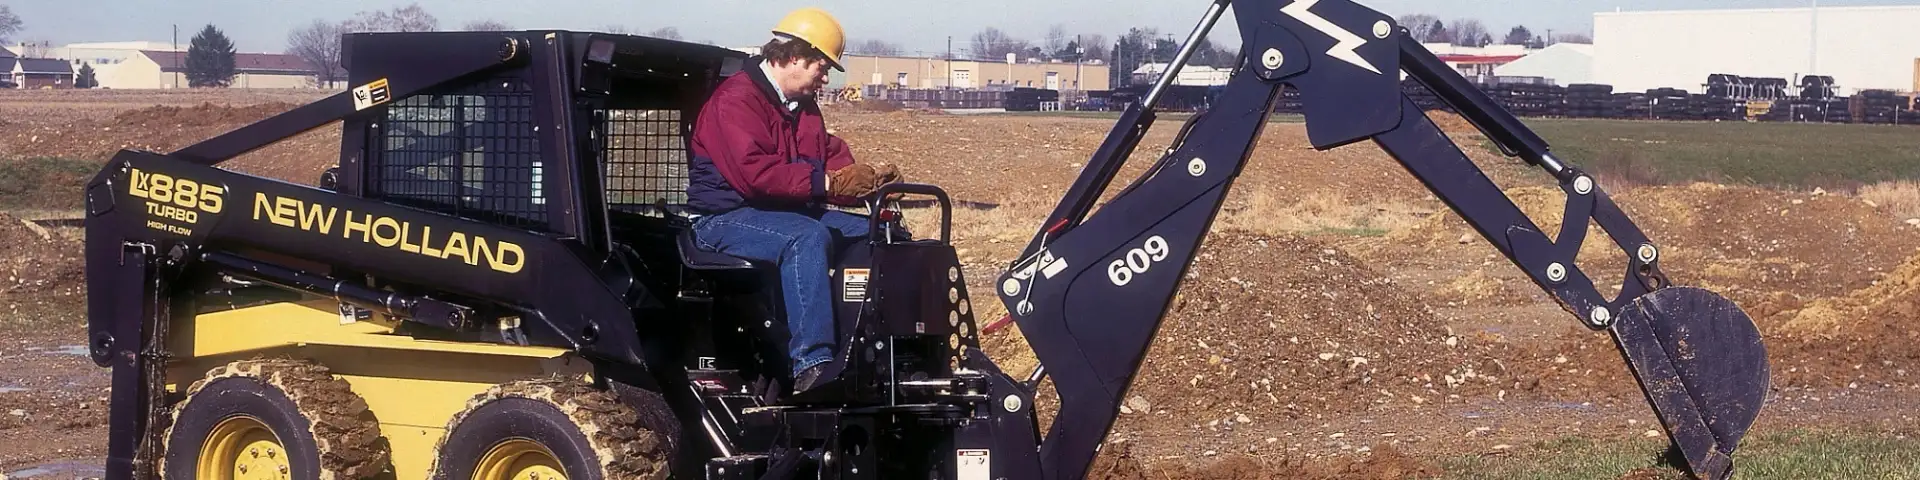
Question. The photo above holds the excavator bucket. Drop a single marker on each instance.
(1700, 361)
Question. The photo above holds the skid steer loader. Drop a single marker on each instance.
(497, 280)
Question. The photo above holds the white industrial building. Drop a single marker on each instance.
(1860, 47)
(1561, 63)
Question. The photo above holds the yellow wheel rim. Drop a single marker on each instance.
(242, 448)
(519, 459)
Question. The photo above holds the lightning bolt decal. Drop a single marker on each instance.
(1347, 40)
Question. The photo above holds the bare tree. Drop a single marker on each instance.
(9, 23)
(1469, 33)
(1096, 45)
(1055, 40)
(994, 44)
(875, 47)
(410, 18)
(1572, 38)
(318, 44)
(616, 29)
(1420, 26)
(488, 25)
(669, 33)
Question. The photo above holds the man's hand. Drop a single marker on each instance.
(855, 180)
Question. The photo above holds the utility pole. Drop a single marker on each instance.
(949, 61)
(183, 57)
(1813, 40)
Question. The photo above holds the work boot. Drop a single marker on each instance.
(813, 378)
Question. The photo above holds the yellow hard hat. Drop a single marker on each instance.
(817, 28)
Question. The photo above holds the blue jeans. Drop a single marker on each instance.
(800, 243)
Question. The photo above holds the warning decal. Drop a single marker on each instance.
(373, 93)
(973, 464)
(854, 287)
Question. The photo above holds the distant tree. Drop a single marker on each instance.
(1055, 41)
(1519, 36)
(1164, 49)
(9, 23)
(210, 59)
(1469, 33)
(1572, 38)
(85, 78)
(1129, 53)
(669, 33)
(875, 47)
(993, 44)
(616, 29)
(1438, 33)
(1420, 26)
(410, 18)
(318, 44)
(1096, 46)
(488, 25)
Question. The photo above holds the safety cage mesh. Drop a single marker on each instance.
(470, 152)
(644, 153)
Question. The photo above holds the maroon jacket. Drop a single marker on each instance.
(750, 151)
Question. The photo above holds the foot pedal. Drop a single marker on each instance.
(1701, 364)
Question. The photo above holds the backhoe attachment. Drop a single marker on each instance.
(1090, 292)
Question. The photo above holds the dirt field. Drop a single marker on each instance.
(1340, 322)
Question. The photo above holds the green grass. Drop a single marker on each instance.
(44, 182)
(1166, 116)
(1783, 455)
(1767, 154)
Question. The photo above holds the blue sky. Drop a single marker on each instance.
(918, 25)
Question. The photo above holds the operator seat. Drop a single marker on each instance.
(695, 258)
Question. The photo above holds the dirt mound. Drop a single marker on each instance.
(205, 114)
(1864, 336)
(1453, 124)
(1770, 251)
(1382, 463)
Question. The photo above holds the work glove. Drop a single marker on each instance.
(855, 180)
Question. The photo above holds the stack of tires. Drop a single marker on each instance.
(1586, 100)
(1633, 105)
(1713, 108)
(1289, 102)
(1671, 104)
(1422, 96)
(1838, 111)
(1026, 99)
(1876, 106)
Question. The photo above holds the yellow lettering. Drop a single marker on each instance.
(311, 216)
(390, 224)
(261, 205)
(406, 232)
(498, 254)
(457, 245)
(285, 210)
(362, 226)
(518, 258)
(426, 243)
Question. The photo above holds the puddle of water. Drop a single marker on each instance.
(62, 469)
(7, 389)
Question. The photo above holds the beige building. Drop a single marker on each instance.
(911, 72)
(160, 69)
(157, 65)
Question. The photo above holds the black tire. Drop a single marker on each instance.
(588, 432)
(325, 429)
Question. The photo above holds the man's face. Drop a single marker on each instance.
(802, 77)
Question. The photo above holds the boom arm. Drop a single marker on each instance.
(1090, 295)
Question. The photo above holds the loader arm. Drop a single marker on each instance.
(1090, 291)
